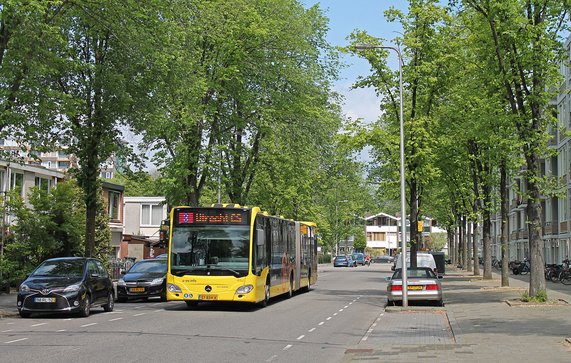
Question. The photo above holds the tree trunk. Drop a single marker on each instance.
(504, 226)
(450, 238)
(475, 239)
(413, 223)
(533, 209)
(465, 242)
(471, 262)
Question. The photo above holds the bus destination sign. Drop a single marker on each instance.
(210, 216)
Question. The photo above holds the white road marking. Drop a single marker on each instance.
(39, 324)
(345, 307)
(287, 347)
(340, 310)
(139, 314)
(14, 341)
(311, 330)
(335, 314)
(271, 358)
(300, 337)
(6, 331)
(322, 323)
(59, 331)
(115, 319)
(90, 324)
(328, 318)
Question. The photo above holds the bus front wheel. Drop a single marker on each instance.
(264, 302)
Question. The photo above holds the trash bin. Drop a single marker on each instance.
(440, 262)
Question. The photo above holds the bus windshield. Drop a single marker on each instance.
(210, 250)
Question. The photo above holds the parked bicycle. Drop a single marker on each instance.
(565, 274)
(497, 264)
(520, 268)
(552, 272)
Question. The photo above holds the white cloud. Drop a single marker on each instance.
(360, 103)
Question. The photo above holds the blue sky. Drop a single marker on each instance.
(344, 17)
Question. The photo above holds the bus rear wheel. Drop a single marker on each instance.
(290, 292)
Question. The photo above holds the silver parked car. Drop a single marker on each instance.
(423, 285)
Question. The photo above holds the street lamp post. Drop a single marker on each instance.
(402, 180)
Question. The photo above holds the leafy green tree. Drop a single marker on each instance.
(51, 226)
(524, 45)
(78, 77)
(422, 69)
(258, 82)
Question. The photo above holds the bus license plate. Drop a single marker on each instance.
(208, 297)
(415, 287)
(45, 299)
(137, 289)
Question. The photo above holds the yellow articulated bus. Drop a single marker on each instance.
(234, 253)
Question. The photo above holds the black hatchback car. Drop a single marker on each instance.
(66, 285)
(146, 278)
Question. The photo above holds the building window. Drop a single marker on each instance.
(43, 184)
(151, 214)
(114, 199)
(17, 182)
(63, 164)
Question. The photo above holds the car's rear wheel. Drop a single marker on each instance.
(86, 308)
(110, 303)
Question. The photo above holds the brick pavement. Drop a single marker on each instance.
(476, 325)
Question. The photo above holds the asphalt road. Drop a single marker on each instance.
(317, 326)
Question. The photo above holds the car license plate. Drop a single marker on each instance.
(45, 300)
(137, 289)
(208, 297)
(415, 287)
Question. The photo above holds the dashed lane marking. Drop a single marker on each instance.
(39, 324)
(300, 337)
(287, 347)
(86, 325)
(115, 319)
(14, 341)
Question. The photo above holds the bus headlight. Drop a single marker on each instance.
(244, 289)
(173, 288)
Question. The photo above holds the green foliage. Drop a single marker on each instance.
(137, 184)
(359, 241)
(540, 297)
(52, 226)
(437, 241)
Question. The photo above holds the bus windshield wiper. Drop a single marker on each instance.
(217, 268)
(183, 272)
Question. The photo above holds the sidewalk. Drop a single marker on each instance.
(476, 325)
(8, 304)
